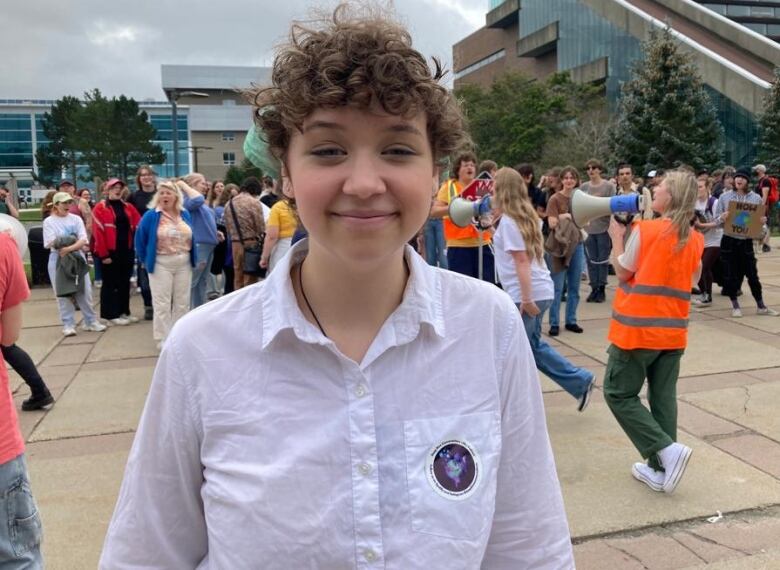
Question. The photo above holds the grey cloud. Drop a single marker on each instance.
(54, 52)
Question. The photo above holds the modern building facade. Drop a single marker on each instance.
(761, 16)
(598, 41)
(212, 119)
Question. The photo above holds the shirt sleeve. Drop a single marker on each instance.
(552, 207)
(443, 194)
(274, 218)
(529, 525)
(82, 230)
(629, 259)
(159, 519)
(13, 281)
(513, 238)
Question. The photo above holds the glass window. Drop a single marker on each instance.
(733, 10)
(773, 29)
(228, 136)
(759, 28)
(765, 11)
(228, 103)
(719, 8)
(228, 158)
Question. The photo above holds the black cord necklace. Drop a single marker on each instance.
(308, 305)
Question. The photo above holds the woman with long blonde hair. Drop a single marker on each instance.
(524, 276)
(649, 327)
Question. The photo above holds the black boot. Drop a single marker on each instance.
(593, 297)
(601, 294)
(38, 401)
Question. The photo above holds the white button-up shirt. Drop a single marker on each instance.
(262, 446)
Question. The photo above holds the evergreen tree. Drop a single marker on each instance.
(59, 153)
(769, 128)
(665, 117)
(237, 174)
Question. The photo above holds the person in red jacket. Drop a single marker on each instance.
(113, 230)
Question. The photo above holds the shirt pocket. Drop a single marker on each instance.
(451, 466)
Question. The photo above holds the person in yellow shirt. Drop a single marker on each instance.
(463, 243)
(279, 232)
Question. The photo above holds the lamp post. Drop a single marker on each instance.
(195, 150)
(173, 96)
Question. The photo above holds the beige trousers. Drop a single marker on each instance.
(170, 285)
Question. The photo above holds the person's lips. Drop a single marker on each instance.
(365, 218)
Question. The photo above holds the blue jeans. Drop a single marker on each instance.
(20, 531)
(465, 260)
(569, 377)
(433, 232)
(599, 246)
(84, 299)
(572, 277)
(204, 253)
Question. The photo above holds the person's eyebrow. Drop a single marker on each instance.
(404, 128)
(325, 125)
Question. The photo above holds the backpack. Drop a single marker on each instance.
(774, 194)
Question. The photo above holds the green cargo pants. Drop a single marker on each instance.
(649, 430)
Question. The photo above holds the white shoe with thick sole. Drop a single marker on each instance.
(674, 459)
(130, 318)
(649, 476)
(69, 331)
(119, 321)
(95, 327)
(736, 313)
(767, 312)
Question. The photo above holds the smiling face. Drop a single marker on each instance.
(219, 187)
(361, 181)
(568, 181)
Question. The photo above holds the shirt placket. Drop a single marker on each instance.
(365, 472)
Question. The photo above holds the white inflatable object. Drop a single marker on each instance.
(16, 229)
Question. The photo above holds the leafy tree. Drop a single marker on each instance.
(112, 137)
(512, 120)
(59, 126)
(769, 128)
(237, 174)
(665, 117)
(586, 137)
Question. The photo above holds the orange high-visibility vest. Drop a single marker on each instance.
(651, 309)
(451, 231)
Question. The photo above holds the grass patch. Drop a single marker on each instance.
(30, 216)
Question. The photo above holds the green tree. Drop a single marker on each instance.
(512, 120)
(237, 174)
(665, 117)
(59, 153)
(769, 128)
(588, 136)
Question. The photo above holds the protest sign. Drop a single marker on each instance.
(744, 220)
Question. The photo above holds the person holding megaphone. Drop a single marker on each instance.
(523, 274)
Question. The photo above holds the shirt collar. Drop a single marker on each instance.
(421, 302)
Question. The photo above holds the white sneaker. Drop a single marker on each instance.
(736, 313)
(649, 476)
(766, 311)
(69, 331)
(585, 398)
(95, 327)
(674, 459)
(129, 318)
(120, 321)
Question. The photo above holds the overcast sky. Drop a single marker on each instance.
(65, 47)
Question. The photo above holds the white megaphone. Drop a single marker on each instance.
(15, 228)
(585, 208)
(462, 212)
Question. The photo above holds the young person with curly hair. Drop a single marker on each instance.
(358, 408)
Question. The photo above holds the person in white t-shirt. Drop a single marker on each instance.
(524, 275)
(358, 408)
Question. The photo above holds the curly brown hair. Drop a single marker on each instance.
(359, 55)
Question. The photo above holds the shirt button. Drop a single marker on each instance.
(360, 391)
(364, 468)
(369, 555)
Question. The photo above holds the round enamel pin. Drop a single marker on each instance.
(453, 469)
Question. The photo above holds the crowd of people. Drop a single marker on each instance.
(357, 378)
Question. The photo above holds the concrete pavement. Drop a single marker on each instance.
(729, 392)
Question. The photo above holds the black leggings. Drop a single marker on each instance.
(25, 367)
(708, 260)
(115, 293)
(739, 262)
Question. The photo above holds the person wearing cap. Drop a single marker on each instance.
(763, 188)
(736, 253)
(113, 230)
(59, 227)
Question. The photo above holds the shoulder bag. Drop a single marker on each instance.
(252, 253)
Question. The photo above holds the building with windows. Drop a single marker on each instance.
(598, 40)
(212, 119)
(761, 16)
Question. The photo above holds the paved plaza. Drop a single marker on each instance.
(729, 393)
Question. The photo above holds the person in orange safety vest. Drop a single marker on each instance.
(648, 331)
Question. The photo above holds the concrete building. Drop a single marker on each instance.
(219, 115)
(598, 40)
(212, 119)
(761, 16)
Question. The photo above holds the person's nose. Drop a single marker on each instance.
(364, 179)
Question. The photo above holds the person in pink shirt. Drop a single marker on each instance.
(20, 539)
